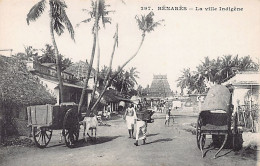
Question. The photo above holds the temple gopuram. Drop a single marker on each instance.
(158, 92)
(160, 87)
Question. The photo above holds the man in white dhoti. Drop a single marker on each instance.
(130, 119)
(141, 127)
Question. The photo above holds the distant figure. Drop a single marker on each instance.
(167, 118)
(168, 113)
(130, 119)
(107, 112)
(161, 107)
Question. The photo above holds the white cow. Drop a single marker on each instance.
(90, 124)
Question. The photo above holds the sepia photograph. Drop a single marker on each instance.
(129, 82)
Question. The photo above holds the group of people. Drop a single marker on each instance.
(132, 119)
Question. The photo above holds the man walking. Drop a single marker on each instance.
(168, 113)
(130, 119)
(141, 125)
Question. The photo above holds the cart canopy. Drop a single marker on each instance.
(218, 98)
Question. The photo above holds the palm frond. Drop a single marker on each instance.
(36, 11)
(106, 20)
(84, 21)
(146, 23)
(58, 27)
(68, 24)
(59, 15)
(123, 2)
(151, 27)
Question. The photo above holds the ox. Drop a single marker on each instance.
(90, 124)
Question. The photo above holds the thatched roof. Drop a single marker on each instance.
(20, 87)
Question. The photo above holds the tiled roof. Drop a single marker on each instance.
(244, 78)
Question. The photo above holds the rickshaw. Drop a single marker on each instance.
(216, 118)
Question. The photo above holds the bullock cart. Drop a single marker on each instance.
(217, 119)
(43, 119)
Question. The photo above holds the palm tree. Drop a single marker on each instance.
(206, 69)
(128, 80)
(228, 66)
(98, 13)
(134, 74)
(146, 24)
(109, 70)
(58, 21)
(185, 80)
(246, 63)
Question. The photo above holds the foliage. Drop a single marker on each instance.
(48, 56)
(57, 13)
(125, 81)
(214, 71)
(146, 22)
(102, 14)
(29, 54)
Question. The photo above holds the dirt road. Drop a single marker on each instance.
(165, 146)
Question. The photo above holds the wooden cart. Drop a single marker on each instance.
(216, 119)
(43, 119)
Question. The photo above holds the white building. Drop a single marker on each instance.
(245, 97)
(47, 75)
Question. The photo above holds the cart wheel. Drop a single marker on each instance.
(198, 131)
(71, 128)
(42, 136)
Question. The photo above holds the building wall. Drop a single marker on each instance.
(49, 71)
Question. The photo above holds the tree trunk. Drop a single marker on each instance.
(1, 121)
(97, 71)
(112, 55)
(83, 94)
(132, 57)
(58, 60)
(120, 69)
(106, 81)
(122, 86)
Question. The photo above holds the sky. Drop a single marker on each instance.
(181, 41)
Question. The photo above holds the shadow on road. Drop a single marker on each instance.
(82, 143)
(53, 146)
(150, 135)
(99, 140)
(160, 140)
